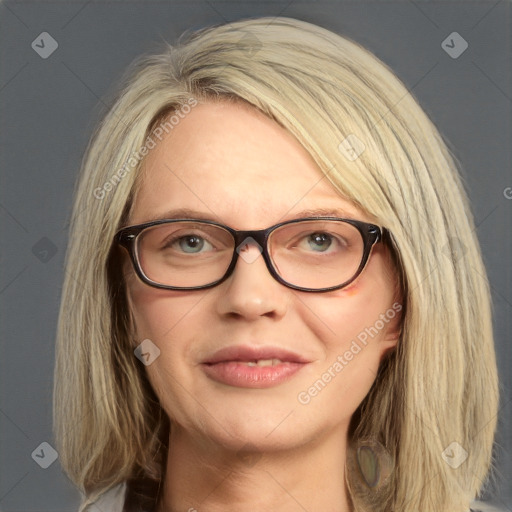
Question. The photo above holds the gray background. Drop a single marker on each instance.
(48, 108)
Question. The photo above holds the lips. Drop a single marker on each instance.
(244, 353)
(253, 367)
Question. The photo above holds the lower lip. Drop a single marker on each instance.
(240, 375)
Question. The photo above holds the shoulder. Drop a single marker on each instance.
(114, 500)
(110, 501)
(480, 506)
(129, 496)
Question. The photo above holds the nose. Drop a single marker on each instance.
(251, 291)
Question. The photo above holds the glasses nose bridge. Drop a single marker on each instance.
(260, 236)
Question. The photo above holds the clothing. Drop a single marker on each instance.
(115, 500)
(111, 501)
(128, 496)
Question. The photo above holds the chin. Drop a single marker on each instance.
(259, 432)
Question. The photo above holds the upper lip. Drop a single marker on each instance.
(248, 353)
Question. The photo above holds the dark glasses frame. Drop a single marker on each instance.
(127, 238)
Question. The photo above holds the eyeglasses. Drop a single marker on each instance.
(314, 254)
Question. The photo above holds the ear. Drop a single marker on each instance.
(393, 330)
(394, 327)
(131, 326)
(128, 277)
(387, 346)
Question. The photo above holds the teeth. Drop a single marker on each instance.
(262, 362)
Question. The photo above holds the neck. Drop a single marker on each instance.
(204, 477)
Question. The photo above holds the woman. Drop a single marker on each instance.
(273, 287)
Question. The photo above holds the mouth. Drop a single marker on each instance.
(253, 367)
(258, 362)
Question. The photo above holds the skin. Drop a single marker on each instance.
(239, 449)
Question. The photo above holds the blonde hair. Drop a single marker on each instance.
(438, 387)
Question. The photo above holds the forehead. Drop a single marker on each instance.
(236, 165)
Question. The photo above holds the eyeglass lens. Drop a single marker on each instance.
(309, 254)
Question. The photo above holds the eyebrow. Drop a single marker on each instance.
(187, 213)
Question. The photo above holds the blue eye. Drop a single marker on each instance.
(188, 244)
(319, 241)
(191, 244)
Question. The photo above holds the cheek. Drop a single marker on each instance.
(359, 319)
(347, 314)
(349, 326)
(159, 313)
(172, 320)
(165, 317)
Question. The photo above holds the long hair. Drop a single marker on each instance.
(377, 147)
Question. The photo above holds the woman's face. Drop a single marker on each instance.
(230, 163)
